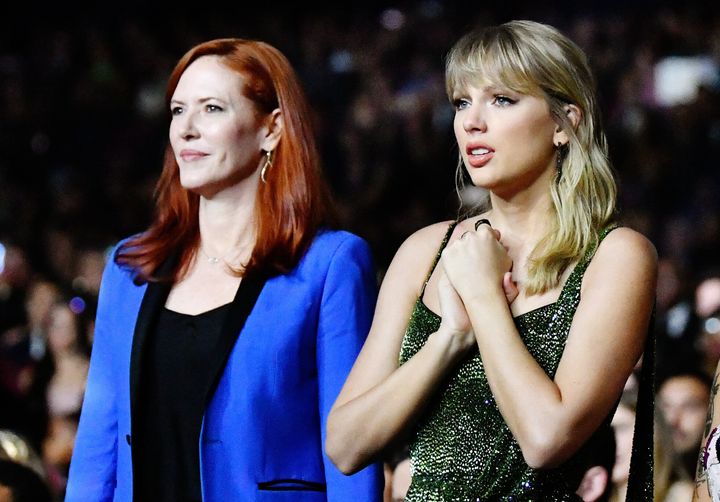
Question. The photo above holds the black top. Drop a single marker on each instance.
(176, 373)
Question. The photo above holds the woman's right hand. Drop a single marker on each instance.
(476, 265)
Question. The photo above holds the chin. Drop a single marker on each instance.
(478, 179)
(190, 187)
(193, 185)
(192, 180)
(485, 183)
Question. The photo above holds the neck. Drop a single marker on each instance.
(523, 218)
(522, 221)
(227, 223)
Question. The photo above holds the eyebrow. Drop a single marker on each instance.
(495, 88)
(489, 89)
(201, 100)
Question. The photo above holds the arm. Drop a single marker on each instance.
(92, 469)
(348, 297)
(707, 478)
(605, 341)
(379, 401)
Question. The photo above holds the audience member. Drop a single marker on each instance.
(683, 402)
(596, 485)
(672, 482)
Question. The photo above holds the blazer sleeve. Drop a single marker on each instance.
(92, 468)
(346, 311)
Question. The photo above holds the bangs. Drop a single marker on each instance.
(493, 59)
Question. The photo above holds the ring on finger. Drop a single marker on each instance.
(482, 221)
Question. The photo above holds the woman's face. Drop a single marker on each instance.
(506, 139)
(215, 133)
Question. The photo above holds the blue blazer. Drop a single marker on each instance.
(263, 429)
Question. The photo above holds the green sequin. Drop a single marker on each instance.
(462, 450)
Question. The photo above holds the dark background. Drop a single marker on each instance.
(83, 126)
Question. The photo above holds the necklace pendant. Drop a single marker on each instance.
(212, 260)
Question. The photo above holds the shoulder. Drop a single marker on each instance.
(416, 254)
(628, 246)
(425, 241)
(333, 239)
(122, 246)
(624, 253)
(328, 244)
(115, 270)
(118, 289)
(335, 253)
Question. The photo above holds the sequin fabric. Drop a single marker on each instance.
(462, 450)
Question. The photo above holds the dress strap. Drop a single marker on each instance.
(437, 256)
(585, 261)
(640, 481)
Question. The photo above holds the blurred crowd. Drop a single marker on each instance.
(83, 126)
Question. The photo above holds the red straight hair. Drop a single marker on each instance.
(290, 207)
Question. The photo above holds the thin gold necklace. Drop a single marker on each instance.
(213, 260)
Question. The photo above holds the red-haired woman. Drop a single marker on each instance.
(225, 331)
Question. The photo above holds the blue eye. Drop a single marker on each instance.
(460, 103)
(501, 100)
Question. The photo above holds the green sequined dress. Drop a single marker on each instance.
(462, 450)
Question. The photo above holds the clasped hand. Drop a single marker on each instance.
(472, 267)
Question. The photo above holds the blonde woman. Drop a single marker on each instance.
(501, 342)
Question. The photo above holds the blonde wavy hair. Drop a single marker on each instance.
(536, 59)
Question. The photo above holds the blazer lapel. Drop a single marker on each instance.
(243, 303)
(153, 301)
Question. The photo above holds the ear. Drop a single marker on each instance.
(573, 114)
(593, 484)
(272, 128)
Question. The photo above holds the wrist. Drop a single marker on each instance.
(451, 343)
(490, 295)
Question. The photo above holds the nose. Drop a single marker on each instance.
(474, 119)
(187, 128)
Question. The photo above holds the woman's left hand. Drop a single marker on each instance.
(477, 265)
(454, 316)
(510, 288)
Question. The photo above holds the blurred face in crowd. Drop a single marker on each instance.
(62, 329)
(683, 402)
(505, 138)
(707, 297)
(216, 133)
(41, 297)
